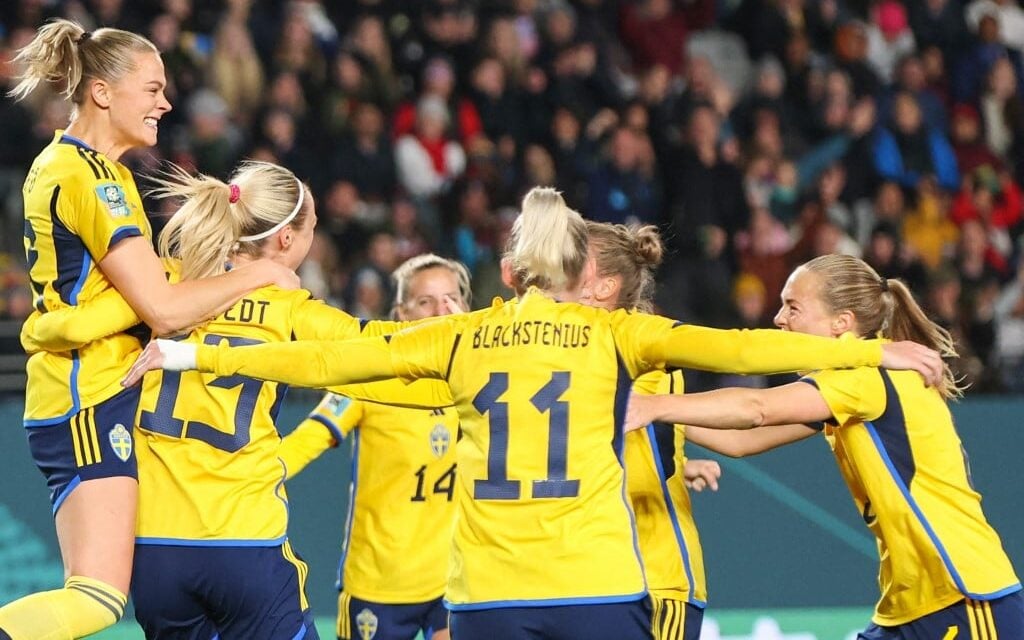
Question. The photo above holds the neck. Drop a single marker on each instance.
(98, 136)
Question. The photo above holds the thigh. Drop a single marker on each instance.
(166, 606)
(360, 619)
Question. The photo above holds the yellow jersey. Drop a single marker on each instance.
(908, 473)
(541, 389)
(78, 204)
(209, 471)
(667, 533)
(401, 496)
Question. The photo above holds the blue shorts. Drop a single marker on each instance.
(230, 593)
(618, 621)
(94, 443)
(676, 619)
(999, 619)
(361, 619)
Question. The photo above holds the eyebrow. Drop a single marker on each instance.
(157, 83)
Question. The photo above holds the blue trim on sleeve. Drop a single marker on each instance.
(184, 542)
(82, 275)
(75, 399)
(673, 518)
(554, 602)
(121, 233)
(77, 480)
(335, 431)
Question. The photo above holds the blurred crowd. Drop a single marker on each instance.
(756, 133)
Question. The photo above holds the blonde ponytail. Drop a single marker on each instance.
(548, 243)
(211, 225)
(882, 307)
(64, 53)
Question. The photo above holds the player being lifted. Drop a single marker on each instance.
(85, 234)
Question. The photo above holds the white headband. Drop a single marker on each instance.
(280, 225)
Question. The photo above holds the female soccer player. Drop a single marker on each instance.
(85, 233)
(544, 542)
(625, 258)
(403, 482)
(943, 573)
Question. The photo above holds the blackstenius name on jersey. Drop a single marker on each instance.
(566, 335)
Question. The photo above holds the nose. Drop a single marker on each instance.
(164, 104)
(779, 319)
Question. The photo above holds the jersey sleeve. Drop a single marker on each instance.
(851, 394)
(316, 320)
(323, 428)
(100, 214)
(73, 327)
(426, 351)
(307, 363)
(649, 342)
(419, 394)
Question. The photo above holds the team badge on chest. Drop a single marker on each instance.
(440, 438)
(121, 442)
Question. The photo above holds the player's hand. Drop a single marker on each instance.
(911, 355)
(639, 412)
(450, 305)
(276, 273)
(162, 354)
(698, 474)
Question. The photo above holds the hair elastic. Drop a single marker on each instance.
(280, 225)
(234, 193)
(85, 36)
(884, 283)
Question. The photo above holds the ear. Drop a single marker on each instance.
(606, 288)
(843, 321)
(507, 278)
(99, 92)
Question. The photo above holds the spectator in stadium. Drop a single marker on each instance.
(86, 233)
(908, 151)
(503, 361)
(943, 569)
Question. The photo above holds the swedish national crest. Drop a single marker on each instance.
(121, 442)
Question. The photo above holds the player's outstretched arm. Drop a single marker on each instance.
(731, 408)
(306, 364)
(748, 442)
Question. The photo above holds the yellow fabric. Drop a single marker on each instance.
(903, 461)
(78, 204)
(398, 531)
(208, 447)
(83, 607)
(522, 372)
(666, 531)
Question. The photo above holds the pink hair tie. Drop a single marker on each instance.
(235, 193)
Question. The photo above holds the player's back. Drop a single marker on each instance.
(207, 445)
(543, 517)
(78, 204)
(899, 452)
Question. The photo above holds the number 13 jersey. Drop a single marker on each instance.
(209, 472)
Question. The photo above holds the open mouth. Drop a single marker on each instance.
(151, 122)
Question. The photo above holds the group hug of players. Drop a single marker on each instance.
(517, 472)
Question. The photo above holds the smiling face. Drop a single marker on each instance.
(803, 309)
(137, 102)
